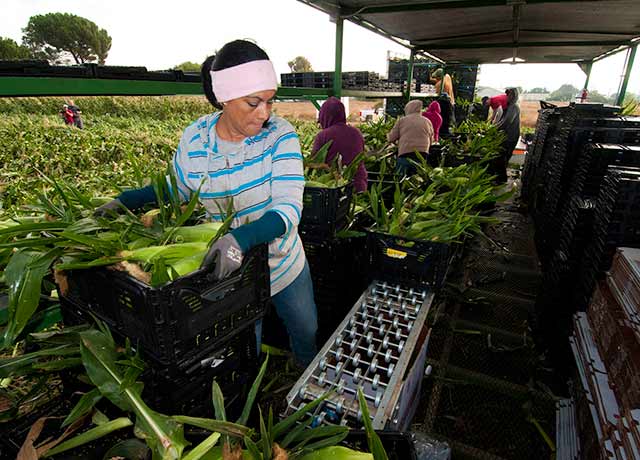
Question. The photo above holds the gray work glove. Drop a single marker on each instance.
(109, 208)
(224, 257)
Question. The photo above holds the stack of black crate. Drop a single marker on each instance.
(616, 224)
(188, 331)
(337, 263)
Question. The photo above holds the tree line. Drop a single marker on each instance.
(60, 38)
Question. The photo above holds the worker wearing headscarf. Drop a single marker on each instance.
(444, 84)
(433, 115)
(244, 154)
(346, 140)
(510, 125)
(414, 133)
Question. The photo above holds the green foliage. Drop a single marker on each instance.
(188, 66)
(11, 51)
(565, 93)
(51, 35)
(125, 142)
(300, 64)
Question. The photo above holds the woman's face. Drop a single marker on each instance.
(247, 114)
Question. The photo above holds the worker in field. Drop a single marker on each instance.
(497, 104)
(346, 140)
(510, 125)
(75, 110)
(433, 115)
(66, 114)
(413, 133)
(443, 84)
(447, 114)
(248, 155)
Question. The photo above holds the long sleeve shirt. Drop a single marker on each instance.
(260, 174)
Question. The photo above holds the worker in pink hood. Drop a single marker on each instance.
(346, 140)
(433, 115)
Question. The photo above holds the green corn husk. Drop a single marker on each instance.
(171, 253)
(196, 233)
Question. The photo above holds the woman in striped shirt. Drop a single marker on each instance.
(245, 154)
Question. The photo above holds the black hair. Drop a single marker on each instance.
(485, 98)
(232, 54)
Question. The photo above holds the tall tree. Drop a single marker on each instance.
(300, 64)
(52, 35)
(10, 50)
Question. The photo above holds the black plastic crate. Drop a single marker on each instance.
(176, 323)
(324, 211)
(407, 259)
(233, 365)
(397, 444)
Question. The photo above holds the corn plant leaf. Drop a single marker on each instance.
(327, 442)
(23, 276)
(162, 434)
(283, 426)
(90, 435)
(252, 448)
(99, 418)
(318, 432)
(218, 401)
(9, 366)
(58, 364)
(203, 448)
(26, 228)
(373, 440)
(227, 428)
(294, 435)
(242, 420)
(341, 452)
(131, 449)
(265, 437)
(83, 406)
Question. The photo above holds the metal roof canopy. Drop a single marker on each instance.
(495, 31)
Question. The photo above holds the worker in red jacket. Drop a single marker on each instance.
(498, 105)
(67, 115)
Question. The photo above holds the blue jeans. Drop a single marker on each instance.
(404, 167)
(297, 309)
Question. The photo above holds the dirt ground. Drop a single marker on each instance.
(306, 110)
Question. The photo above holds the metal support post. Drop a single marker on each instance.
(410, 74)
(587, 70)
(627, 73)
(337, 74)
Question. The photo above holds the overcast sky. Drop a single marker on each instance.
(161, 33)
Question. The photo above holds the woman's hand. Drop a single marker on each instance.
(224, 257)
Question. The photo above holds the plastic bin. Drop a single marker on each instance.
(176, 323)
(324, 211)
(233, 365)
(407, 259)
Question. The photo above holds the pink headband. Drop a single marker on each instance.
(243, 79)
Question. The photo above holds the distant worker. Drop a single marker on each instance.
(510, 125)
(75, 110)
(345, 140)
(444, 84)
(414, 133)
(498, 105)
(583, 95)
(447, 114)
(480, 110)
(66, 114)
(433, 115)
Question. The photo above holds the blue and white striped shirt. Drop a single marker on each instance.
(264, 173)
